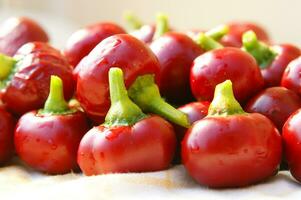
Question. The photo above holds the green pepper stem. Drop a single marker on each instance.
(224, 102)
(263, 54)
(132, 20)
(145, 93)
(55, 102)
(123, 112)
(207, 43)
(162, 26)
(6, 65)
(218, 32)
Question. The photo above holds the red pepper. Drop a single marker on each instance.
(176, 52)
(194, 111)
(220, 64)
(123, 50)
(276, 103)
(129, 140)
(48, 139)
(231, 148)
(7, 125)
(291, 76)
(237, 29)
(16, 31)
(25, 78)
(271, 59)
(291, 135)
(81, 42)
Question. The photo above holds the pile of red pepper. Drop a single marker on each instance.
(107, 102)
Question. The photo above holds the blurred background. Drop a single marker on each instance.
(62, 17)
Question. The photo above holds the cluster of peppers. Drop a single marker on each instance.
(123, 82)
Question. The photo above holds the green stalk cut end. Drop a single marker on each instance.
(123, 112)
(56, 103)
(263, 54)
(132, 20)
(162, 26)
(218, 32)
(224, 102)
(207, 43)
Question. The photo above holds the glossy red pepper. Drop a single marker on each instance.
(231, 148)
(7, 125)
(145, 93)
(271, 59)
(218, 65)
(276, 103)
(48, 139)
(129, 140)
(291, 76)
(17, 31)
(176, 52)
(123, 50)
(194, 111)
(81, 42)
(25, 78)
(237, 29)
(291, 135)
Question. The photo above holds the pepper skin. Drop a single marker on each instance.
(236, 30)
(48, 139)
(290, 78)
(17, 31)
(276, 103)
(195, 111)
(175, 52)
(129, 140)
(81, 42)
(123, 50)
(271, 59)
(26, 84)
(7, 125)
(218, 65)
(231, 148)
(291, 135)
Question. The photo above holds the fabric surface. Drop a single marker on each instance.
(19, 182)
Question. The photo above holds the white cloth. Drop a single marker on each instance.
(19, 182)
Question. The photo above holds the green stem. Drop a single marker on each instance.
(55, 103)
(207, 43)
(224, 102)
(218, 32)
(162, 26)
(6, 66)
(145, 93)
(263, 54)
(133, 21)
(123, 112)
